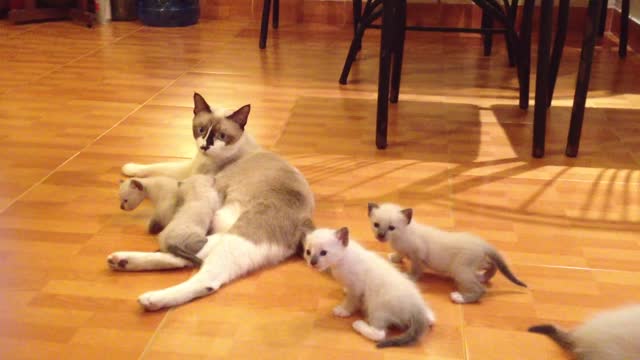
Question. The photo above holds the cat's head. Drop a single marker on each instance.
(217, 132)
(131, 194)
(325, 247)
(387, 219)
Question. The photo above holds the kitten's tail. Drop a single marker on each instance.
(561, 337)
(417, 327)
(497, 259)
(179, 251)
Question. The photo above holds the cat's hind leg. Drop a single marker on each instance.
(145, 261)
(470, 289)
(226, 257)
(487, 273)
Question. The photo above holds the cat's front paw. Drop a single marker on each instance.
(457, 298)
(340, 311)
(132, 169)
(152, 301)
(117, 262)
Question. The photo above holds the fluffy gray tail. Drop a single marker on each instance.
(497, 259)
(563, 338)
(178, 251)
(417, 327)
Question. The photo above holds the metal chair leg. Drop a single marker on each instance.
(356, 42)
(398, 51)
(542, 79)
(386, 51)
(558, 46)
(603, 18)
(584, 74)
(487, 36)
(624, 29)
(524, 53)
(264, 27)
(276, 13)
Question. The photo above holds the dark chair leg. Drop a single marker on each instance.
(386, 51)
(603, 18)
(624, 29)
(356, 43)
(524, 54)
(584, 73)
(357, 13)
(558, 46)
(398, 50)
(264, 27)
(542, 79)
(487, 36)
(511, 41)
(276, 13)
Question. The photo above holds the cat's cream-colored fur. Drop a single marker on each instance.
(266, 212)
(610, 335)
(386, 296)
(459, 255)
(162, 191)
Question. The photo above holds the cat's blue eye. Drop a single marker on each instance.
(201, 130)
(391, 228)
(323, 253)
(221, 136)
(376, 225)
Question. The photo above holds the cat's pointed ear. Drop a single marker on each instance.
(241, 116)
(408, 214)
(371, 207)
(199, 104)
(342, 234)
(135, 184)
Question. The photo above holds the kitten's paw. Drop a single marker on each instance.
(132, 169)
(340, 311)
(152, 301)
(431, 317)
(457, 298)
(117, 262)
(395, 258)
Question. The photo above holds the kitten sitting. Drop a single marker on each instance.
(161, 190)
(459, 255)
(372, 284)
(610, 335)
(187, 233)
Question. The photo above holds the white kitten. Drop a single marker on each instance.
(610, 335)
(187, 233)
(372, 284)
(456, 254)
(161, 190)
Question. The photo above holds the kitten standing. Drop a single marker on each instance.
(372, 284)
(459, 255)
(610, 335)
(187, 233)
(161, 190)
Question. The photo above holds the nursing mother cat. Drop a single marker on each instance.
(266, 212)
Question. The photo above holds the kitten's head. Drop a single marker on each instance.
(131, 194)
(325, 247)
(217, 132)
(196, 186)
(387, 219)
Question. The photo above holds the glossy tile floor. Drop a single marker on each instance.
(77, 103)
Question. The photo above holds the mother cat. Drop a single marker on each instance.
(266, 213)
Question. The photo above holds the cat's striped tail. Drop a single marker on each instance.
(417, 327)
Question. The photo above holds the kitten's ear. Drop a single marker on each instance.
(408, 214)
(199, 104)
(241, 116)
(135, 184)
(342, 234)
(372, 206)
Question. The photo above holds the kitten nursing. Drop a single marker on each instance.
(372, 284)
(610, 335)
(161, 190)
(459, 255)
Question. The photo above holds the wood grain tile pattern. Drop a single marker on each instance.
(458, 154)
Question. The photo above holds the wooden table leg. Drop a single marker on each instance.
(386, 52)
(542, 80)
(584, 74)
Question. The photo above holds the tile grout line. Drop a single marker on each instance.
(16, 199)
(89, 53)
(155, 334)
